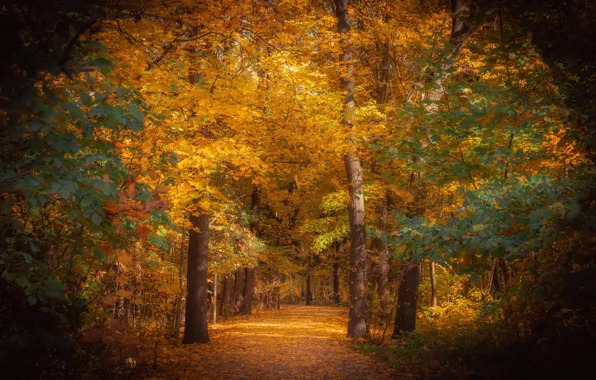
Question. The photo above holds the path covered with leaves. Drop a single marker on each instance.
(296, 342)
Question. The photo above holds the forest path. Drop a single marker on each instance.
(295, 342)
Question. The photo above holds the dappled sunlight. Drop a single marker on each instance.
(294, 342)
(177, 176)
(286, 336)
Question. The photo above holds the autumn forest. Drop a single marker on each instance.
(297, 189)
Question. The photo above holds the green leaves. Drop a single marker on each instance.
(103, 64)
(503, 219)
(135, 113)
(160, 242)
(62, 168)
(96, 218)
(87, 201)
(479, 227)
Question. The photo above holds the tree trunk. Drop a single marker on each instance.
(380, 245)
(249, 284)
(178, 321)
(291, 291)
(495, 281)
(215, 298)
(197, 317)
(433, 285)
(249, 274)
(382, 74)
(503, 266)
(278, 292)
(408, 290)
(405, 319)
(461, 30)
(238, 289)
(357, 324)
(308, 291)
(224, 310)
(336, 298)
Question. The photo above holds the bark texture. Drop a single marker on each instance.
(357, 323)
(197, 310)
(249, 284)
(405, 318)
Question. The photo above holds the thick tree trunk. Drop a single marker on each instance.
(433, 285)
(249, 284)
(197, 317)
(405, 319)
(357, 324)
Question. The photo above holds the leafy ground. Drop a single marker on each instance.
(296, 342)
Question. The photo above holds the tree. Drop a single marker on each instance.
(357, 325)
(463, 24)
(197, 318)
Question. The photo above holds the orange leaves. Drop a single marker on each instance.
(315, 337)
(109, 300)
(153, 174)
(142, 230)
(123, 293)
(161, 190)
(405, 195)
(131, 189)
(153, 205)
(124, 257)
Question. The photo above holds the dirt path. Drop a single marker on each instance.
(296, 342)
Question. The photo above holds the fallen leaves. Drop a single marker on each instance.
(296, 342)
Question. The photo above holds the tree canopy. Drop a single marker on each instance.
(169, 164)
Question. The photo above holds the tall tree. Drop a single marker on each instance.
(381, 94)
(197, 309)
(357, 323)
(463, 22)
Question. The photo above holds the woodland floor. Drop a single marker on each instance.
(296, 342)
